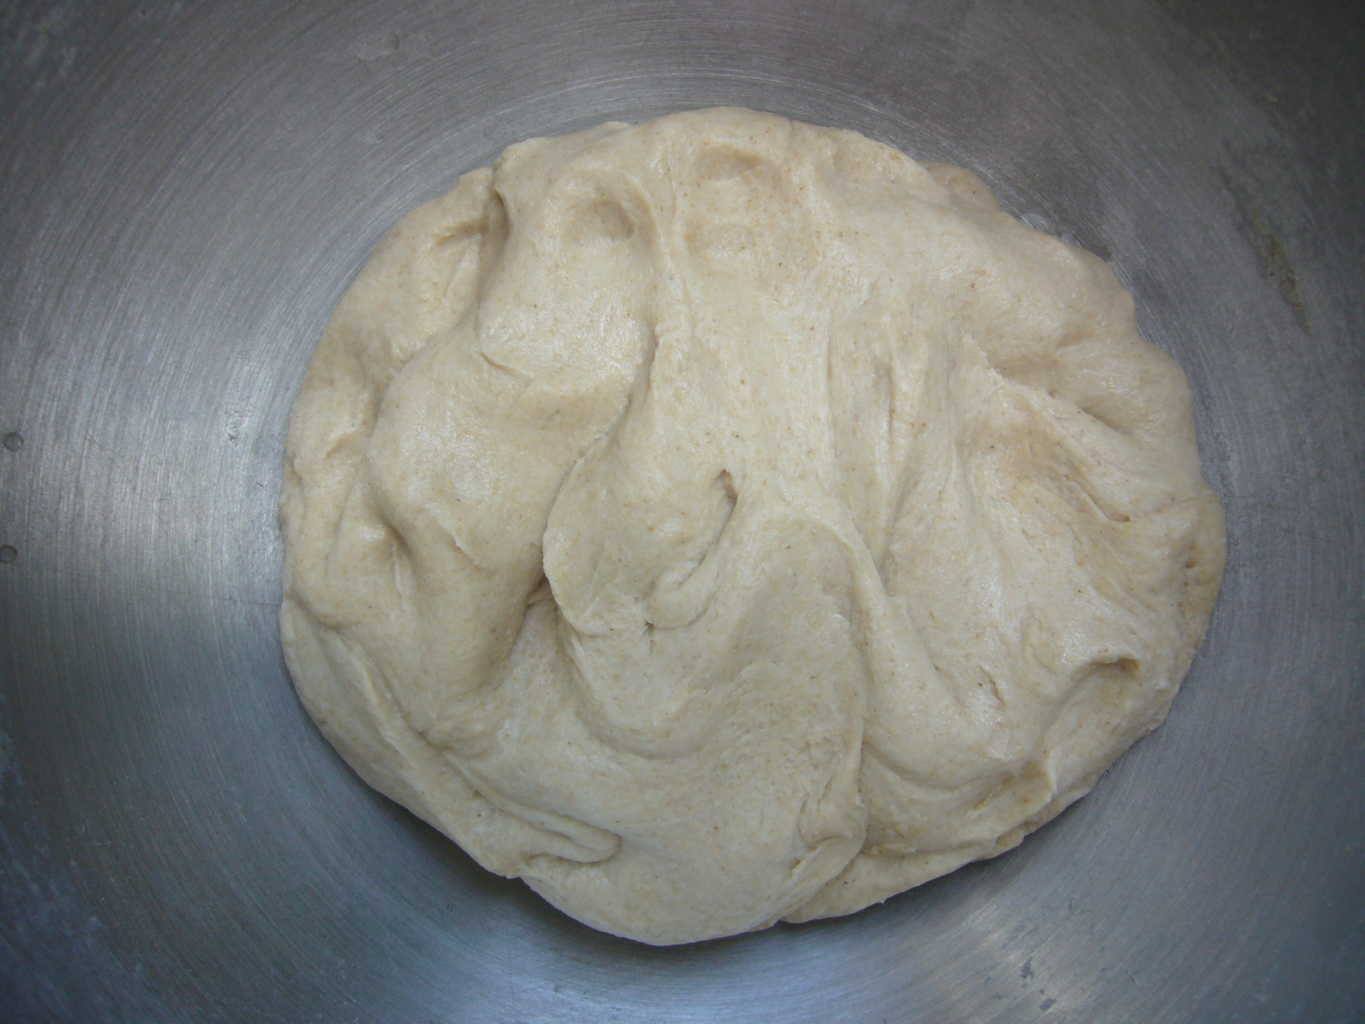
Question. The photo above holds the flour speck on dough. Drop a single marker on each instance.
(723, 520)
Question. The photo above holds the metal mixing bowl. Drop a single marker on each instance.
(188, 189)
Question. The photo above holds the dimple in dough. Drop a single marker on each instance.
(723, 520)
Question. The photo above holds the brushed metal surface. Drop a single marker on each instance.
(188, 189)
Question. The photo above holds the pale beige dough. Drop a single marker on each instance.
(723, 520)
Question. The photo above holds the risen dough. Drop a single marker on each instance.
(724, 519)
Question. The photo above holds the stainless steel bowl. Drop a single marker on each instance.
(188, 189)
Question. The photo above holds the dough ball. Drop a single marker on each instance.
(722, 520)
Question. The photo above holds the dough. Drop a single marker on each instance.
(722, 520)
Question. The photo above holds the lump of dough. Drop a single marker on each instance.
(723, 520)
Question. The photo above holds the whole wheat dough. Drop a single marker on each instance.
(723, 519)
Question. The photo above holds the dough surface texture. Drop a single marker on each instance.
(722, 520)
